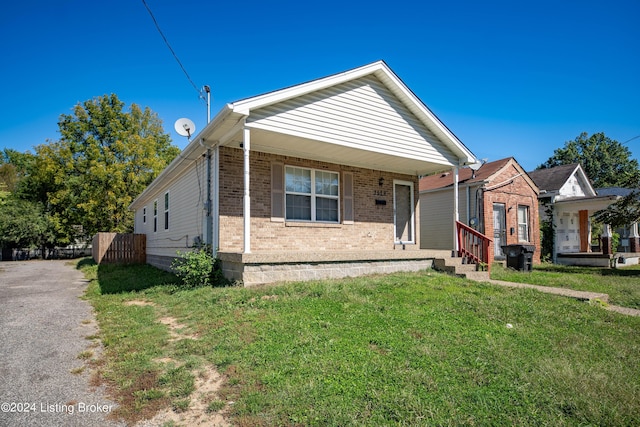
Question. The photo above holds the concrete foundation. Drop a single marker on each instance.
(261, 268)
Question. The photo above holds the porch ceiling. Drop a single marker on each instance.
(294, 146)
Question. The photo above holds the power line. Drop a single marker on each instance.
(629, 140)
(171, 49)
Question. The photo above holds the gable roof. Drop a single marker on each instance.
(551, 180)
(487, 172)
(381, 71)
(440, 147)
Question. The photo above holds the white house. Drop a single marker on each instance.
(567, 194)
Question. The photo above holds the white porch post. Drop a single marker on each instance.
(456, 214)
(215, 244)
(606, 239)
(246, 200)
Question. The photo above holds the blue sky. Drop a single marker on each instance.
(509, 78)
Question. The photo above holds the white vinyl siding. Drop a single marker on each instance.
(187, 195)
(361, 114)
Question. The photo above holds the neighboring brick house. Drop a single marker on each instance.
(499, 200)
(315, 180)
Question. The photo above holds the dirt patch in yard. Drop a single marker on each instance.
(205, 408)
(139, 303)
(176, 329)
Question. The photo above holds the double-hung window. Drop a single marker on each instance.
(166, 211)
(523, 223)
(155, 216)
(311, 195)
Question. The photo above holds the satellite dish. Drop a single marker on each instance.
(185, 127)
(477, 165)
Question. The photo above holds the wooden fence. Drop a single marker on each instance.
(119, 248)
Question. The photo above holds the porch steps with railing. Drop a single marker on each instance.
(456, 266)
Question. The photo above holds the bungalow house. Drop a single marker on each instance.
(314, 180)
(569, 201)
(498, 199)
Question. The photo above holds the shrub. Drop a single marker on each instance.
(199, 268)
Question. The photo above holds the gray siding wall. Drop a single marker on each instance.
(436, 220)
(436, 217)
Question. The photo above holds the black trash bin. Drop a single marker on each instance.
(519, 257)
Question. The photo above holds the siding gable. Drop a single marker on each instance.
(361, 114)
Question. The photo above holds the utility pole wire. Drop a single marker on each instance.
(171, 49)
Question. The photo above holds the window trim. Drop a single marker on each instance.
(166, 210)
(527, 224)
(155, 216)
(144, 215)
(412, 216)
(312, 195)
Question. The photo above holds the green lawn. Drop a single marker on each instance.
(622, 284)
(403, 349)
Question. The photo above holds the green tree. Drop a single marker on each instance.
(606, 162)
(13, 167)
(23, 224)
(626, 210)
(104, 158)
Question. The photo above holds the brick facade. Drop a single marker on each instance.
(513, 193)
(373, 228)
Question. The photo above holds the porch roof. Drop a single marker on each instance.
(591, 204)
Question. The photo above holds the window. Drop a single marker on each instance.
(155, 216)
(144, 215)
(523, 223)
(166, 210)
(311, 195)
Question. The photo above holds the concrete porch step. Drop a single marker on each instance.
(457, 267)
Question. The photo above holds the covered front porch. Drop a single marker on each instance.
(598, 259)
(574, 236)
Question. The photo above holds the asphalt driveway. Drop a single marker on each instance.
(44, 326)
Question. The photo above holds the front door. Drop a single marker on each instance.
(499, 229)
(403, 211)
(585, 235)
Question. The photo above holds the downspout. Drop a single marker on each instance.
(468, 203)
(208, 237)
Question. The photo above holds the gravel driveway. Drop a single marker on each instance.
(43, 329)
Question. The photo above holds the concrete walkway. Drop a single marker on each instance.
(579, 295)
